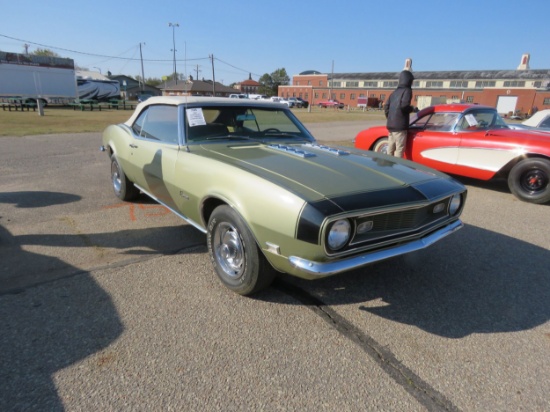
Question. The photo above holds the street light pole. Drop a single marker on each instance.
(174, 25)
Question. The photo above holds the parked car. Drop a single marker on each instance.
(474, 141)
(539, 121)
(278, 99)
(271, 199)
(331, 103)
(295, 102)
(305, 103)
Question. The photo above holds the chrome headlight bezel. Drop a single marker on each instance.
(455, 204)
(338, 234)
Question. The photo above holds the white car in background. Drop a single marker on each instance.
(279, 99)
(540, 121)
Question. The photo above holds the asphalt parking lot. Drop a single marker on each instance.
(114, 306)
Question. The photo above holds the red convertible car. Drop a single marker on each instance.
(331, 103)
(474, 141)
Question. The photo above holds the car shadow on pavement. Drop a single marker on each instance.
(475, 281)
(46, 329)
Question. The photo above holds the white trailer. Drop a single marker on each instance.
(37, 77)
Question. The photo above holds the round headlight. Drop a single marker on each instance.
(454, 206)
(339, 234)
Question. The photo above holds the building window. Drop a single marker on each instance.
(324, 95)
(459, 84)
(514, 83)
(546, 101)
(538, 85)
(416, 84)
(309, 82)
(388, 84)
(370, 84)
(434, 84)
(352, 84)
(485, 83)
(470, 99)
(320, 82)
(382, 97)
(361, 95)
(454, 97)
(316, 95)
(342, 95)
(352, 96)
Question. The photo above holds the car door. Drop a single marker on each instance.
(155, 152)
(433, 142)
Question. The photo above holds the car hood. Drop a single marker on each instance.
(317, 172)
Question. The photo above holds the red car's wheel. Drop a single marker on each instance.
(529, 180)
(381, 145)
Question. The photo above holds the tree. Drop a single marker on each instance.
(45, 52)
(270, 82)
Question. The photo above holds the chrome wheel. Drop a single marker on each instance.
(229, 250)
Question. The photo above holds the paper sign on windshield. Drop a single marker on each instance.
(195, 117)
(471, 120)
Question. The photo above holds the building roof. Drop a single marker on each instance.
(446, 75)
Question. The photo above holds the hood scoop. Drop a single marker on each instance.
(291, 150)
(303, 153)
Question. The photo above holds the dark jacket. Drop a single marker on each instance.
(398, 106)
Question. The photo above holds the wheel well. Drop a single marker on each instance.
(506, 169)
(208, 207)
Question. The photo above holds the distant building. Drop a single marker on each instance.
(131, 88)
(248, 86)
(191, 87)
(506, 90)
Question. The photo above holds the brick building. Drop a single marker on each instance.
(507, 90)
(248, 86)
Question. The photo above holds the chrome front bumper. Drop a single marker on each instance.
(332, 268)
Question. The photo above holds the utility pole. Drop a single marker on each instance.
(213, 77)
(142, 72)
(174, 25)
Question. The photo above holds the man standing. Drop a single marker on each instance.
(397, 109)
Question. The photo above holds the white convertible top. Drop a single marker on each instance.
(178, 100)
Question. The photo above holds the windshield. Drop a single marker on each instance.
(241, 122)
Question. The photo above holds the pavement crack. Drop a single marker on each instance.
(425, 394)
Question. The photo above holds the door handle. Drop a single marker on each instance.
(133, 146)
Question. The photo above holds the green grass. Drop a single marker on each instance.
(58, 120)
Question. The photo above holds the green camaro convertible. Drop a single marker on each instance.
(270, 198)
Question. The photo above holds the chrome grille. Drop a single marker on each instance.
(398, 223)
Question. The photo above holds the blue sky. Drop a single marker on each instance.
(260, 36)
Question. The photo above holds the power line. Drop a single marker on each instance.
(27, 42)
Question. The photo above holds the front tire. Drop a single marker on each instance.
(123, 188)
(381, 145)
(237, 260)
(529, 180)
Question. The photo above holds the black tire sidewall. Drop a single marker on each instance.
(514, 180)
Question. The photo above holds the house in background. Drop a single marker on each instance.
(131, 89)
(191, 87)
(248, 86)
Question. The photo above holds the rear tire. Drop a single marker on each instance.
(237, 259)
(123, 188)
(529, 180)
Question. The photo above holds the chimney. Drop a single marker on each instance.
(408, 65)
(524, 65)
